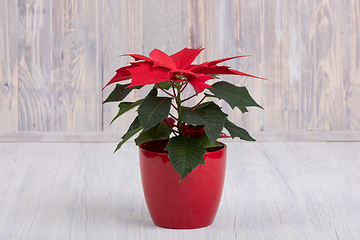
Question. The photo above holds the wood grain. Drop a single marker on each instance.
(113, 136)
(60, 54)
(77, 64)
(272, 191)
(8, 66)
(36, 86)
(162, 26)
(123, 33)
(352, 95)
(242, 24)
(330, 50)
(202, 28)
(324, 190)
(284, 27)
(348, 162)
(59, 66)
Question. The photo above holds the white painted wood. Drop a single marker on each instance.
(353, 85)
(349, 165)
(56, 55)
(36, 85)
(333, 67)
(8, 66)
(77, 65)
(329, 200)
(162, 26)
(112, 136)
(242, 24)
(60, 65)
(272, 191)
(122, 34)
(285, 64)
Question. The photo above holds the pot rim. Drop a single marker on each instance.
(141, 146)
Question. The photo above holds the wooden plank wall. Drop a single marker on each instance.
(60, 65)
(55, 56)
(8, 66)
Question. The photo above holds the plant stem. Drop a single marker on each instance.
(175, 107)
(198, 103)
(173, 116)
(170, 127)
(165, 91)
(189, 98)
(178, 101)
(173, 87)
(181, 90)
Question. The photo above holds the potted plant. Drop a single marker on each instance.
(182, 163)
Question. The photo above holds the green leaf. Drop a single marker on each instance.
(160, 131)
(208, 114)
(164, 85)
(243, 109)
(185, 154)
(205, 141)
(233, 95)
(153, 93)
(120, 92)
(153, 110)
(205, 104)
(236, 131)
(209, 95)
(134, 128)
(126, 106)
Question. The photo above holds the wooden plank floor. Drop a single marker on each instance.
(273, 190)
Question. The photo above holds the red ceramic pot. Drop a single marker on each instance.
(192, 203)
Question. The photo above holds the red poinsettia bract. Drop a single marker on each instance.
(160, 67)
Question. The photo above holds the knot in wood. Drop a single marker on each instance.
(5, 89)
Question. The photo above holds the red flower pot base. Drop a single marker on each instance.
(192, 203)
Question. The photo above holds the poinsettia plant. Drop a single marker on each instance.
(194, 130)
